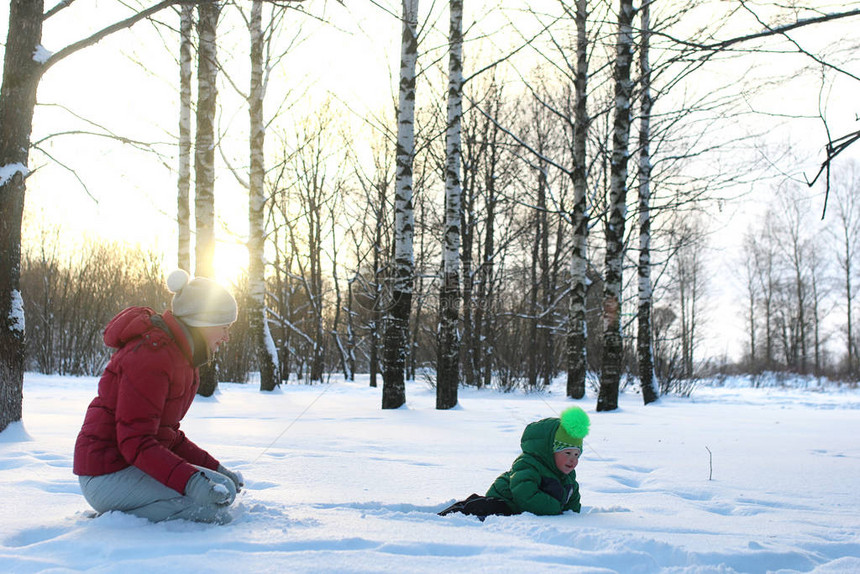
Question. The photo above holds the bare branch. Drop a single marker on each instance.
(61, 5)
(105, 32)
(770, 31)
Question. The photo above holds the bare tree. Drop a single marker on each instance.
(769, 282)
(846, 234)
(397, 328)
(267, 356)
(489, 169)
(66, 315)
(183, 209)
(819, 291)
(577, 357)
(376, 190)
(25, 62)
(448, 369)
(752, 294)
(613, 349)
(794, 233)
(644, 346)
(204, 159)
(688, 276)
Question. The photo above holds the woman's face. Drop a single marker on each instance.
(214, 336)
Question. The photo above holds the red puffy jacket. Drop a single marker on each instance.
(144, 392)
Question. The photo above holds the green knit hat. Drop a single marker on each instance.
(571, 431)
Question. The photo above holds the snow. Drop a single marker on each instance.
(16, 314)
(8, 171)
(335, 484)
(41, 55)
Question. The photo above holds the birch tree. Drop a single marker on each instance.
(448, 362)
(793, 238)
(183, 209)
(25, 62)
(846, 234)
(267, 355)
(644, 345)
(749, 278)
(577, 359)
(768, 279)
(204, 159)
(688, 278)
(613, 349)
(396, 333)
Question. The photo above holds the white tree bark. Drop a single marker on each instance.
(396, 339)
(204, 153)
(183, 209)
(644, 347)
(204, 158)
(448, 361)
(613, 350)
(267, 356)
(578, 333)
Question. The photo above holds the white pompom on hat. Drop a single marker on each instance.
(201, 302)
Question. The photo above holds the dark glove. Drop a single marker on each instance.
(554, 488)
(236, 477)
(206, 492)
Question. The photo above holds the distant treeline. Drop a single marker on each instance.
(69, 298)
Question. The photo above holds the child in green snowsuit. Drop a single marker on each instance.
(542, 479)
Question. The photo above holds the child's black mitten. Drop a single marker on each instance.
(554, 488)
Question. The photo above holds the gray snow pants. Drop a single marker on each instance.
(133, 491)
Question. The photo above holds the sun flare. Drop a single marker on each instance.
(231, 263)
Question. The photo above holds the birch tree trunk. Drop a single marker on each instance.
(752, 295)
(613, 349)
(267, 355)
(485, 317)
(644, 347)
(397, 328)
(448, 361)
(183, 209)
(376, 323)
(577, 335)
(21, 74)
(543, 323)
(534, 348)
(846, 234)
(468, 342)
(204, 159)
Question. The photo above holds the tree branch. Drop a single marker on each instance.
(717, 46)
(61, 5)
(105, 32)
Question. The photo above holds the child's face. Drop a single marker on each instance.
(567, 459)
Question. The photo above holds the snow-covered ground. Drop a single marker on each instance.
(731, 480)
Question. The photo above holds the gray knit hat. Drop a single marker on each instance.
(201, 302)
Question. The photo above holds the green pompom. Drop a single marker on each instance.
(575, 421)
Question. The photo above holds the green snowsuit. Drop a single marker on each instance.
(527, 487)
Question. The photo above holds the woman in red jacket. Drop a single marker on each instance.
(131, 455)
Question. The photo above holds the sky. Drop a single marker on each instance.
(732, 480)
(127, 84)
